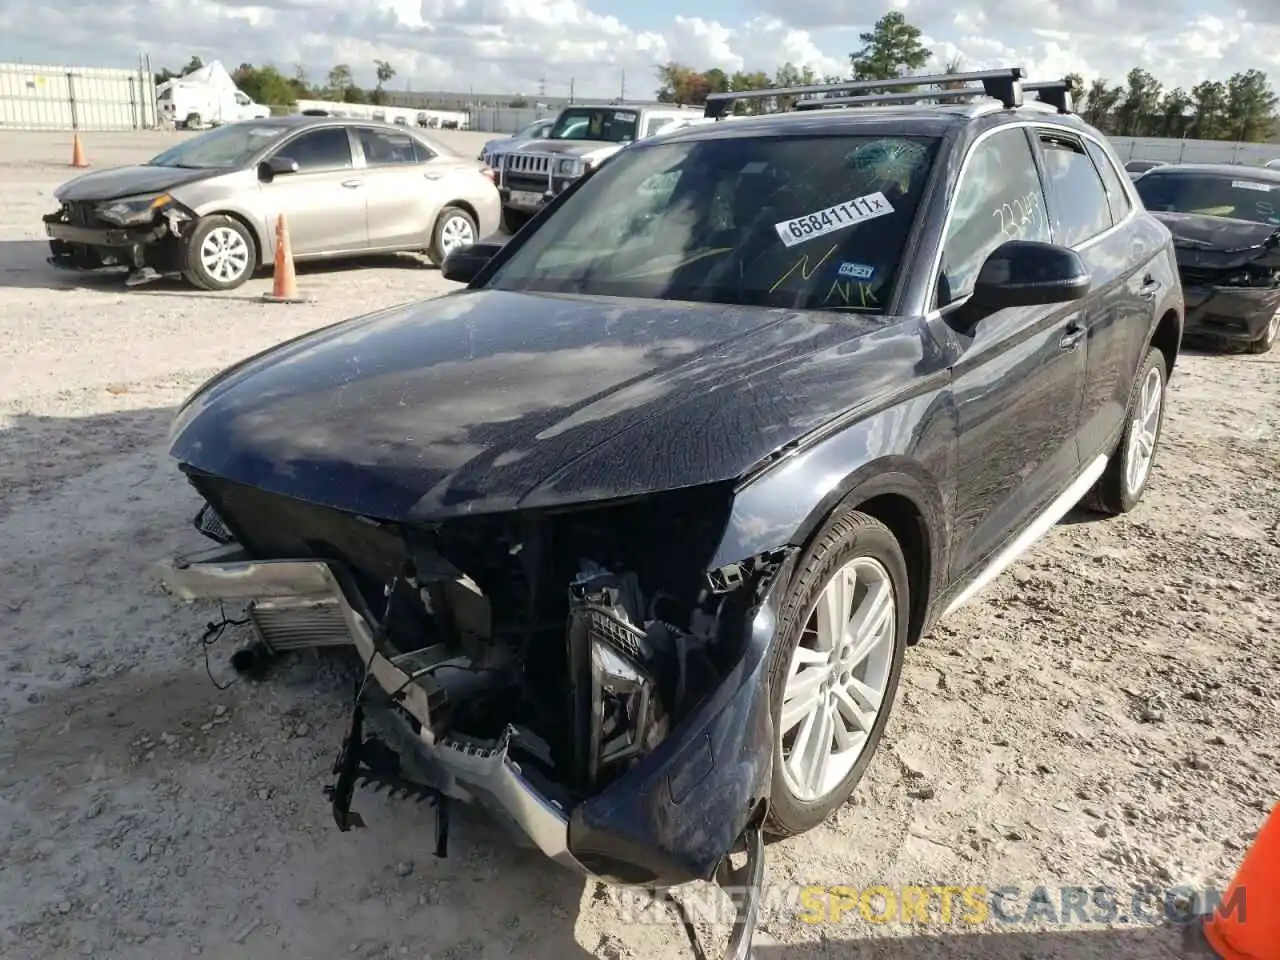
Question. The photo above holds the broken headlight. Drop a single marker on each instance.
(133, 211)
(617, 707)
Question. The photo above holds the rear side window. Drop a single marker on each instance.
(319, 150)
(1076, 194)
(997, 199)
(383, 147)
(654, 124)
(1116, 195)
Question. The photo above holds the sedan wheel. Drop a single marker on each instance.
(837, 680)
(455, 228)
(838, 655)
(221, 254)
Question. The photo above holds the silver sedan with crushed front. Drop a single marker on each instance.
(206, 209)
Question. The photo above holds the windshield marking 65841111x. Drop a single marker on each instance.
(833, 218)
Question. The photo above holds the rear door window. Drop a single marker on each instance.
(1077, 198)
(389, 147)
(1117, 196)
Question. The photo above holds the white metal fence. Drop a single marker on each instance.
(1195, 151)
(41, 97)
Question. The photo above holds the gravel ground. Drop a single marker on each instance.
(1107, 714)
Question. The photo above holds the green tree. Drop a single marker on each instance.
(384, 72)
(194, 64)
(1100, 104)
(1210, 100)
(1250, 108)
(789, 75)
(1137, 113)
(1174, 113)
(265, 85)
(891, 49)
(339, 80)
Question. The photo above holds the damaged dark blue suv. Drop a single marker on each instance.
(631, 534)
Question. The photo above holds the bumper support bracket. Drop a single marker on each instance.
(370, 762)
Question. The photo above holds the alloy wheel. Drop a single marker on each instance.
(1143, 430)
(224, 255)
(838, 679)
(456, 232)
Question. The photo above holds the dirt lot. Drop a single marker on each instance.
(1108, 714)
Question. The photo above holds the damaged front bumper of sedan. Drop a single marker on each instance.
(619, 724)
(135, 235)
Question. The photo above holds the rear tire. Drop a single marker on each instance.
(454, 228)
(1268, 340)
(219, 254)
(1121, 487)
(851, 588)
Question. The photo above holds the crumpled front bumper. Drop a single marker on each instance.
(1233, 313)
(310, 589)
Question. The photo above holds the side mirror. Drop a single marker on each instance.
(463, 264)
(1028, 273)
(270, 168)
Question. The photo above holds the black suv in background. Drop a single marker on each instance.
(1225, 221)
(630, 535)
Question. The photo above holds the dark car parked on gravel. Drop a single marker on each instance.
(1225, 221)
(630, 535)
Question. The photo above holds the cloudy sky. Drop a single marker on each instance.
(502, 45)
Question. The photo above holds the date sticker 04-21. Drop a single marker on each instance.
(838, 217)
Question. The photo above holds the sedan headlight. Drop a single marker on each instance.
(134, 211)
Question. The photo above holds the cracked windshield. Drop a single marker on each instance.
(815, 223)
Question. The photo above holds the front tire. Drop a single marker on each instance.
(1268, 340)
(836, 665)
(220, 254)
(455, 228)
(1125, 481)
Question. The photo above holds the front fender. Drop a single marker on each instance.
(679, 812)
(907, 450)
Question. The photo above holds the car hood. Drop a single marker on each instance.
(483, 401)
(569, 148)
(1220, 243)
(117, 182)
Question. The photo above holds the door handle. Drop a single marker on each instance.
(1074, 336)
(352, 184)
(432, 176)
(1150, 287)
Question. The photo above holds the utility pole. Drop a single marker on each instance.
(622, 95)
(542, 87)
(571, 89)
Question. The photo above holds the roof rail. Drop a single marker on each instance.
(1057, 93)
(870, 100)
(1004, 85)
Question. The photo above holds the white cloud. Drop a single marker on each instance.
(514, 45)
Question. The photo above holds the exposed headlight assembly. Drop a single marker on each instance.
(134, 211)
(618, 715)
(570, 167)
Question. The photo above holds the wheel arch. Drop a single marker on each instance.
(260, 243)
(895, 493)
(1167, 338)
(896, 490)
(465, 206)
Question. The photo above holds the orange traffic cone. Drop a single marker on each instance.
(284, 283)
(1247, 925)
(77, 152)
